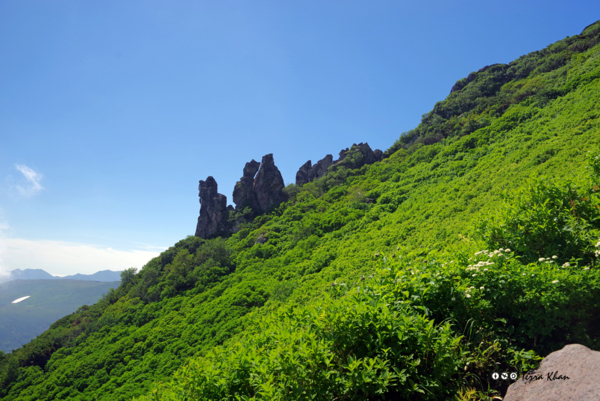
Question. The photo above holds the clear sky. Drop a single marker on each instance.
(111, 111)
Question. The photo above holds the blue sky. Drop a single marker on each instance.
(111, 111)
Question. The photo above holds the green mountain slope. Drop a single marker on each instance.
(369, 285)
(47, 302)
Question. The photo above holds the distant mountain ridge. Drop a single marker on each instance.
(39, 274)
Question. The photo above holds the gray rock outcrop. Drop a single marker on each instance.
(357, 156)
(262, 190)
(268, 185)
(309, 173)
(213, 210)
(568, 374)
(302, 174)
(320, 168)
(361, 154)
(243, 194)
(378, 155)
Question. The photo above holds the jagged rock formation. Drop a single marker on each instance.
(302, 174)
(361, 154)
(243, 194)
(260, 191)
(268, 185)
(320, 169)
(378, 155)
(308, 173)
(261, 188)
(213, 210)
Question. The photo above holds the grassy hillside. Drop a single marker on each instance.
(372, 283)
(48, 301)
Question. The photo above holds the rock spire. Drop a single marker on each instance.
(213, 210)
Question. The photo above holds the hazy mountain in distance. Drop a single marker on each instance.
(27, 274)
(39, 274)
(104, 275)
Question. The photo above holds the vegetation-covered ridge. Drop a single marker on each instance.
(411, 278)
(483, 96)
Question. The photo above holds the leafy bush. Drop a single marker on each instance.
(352, 348)
(546, 219)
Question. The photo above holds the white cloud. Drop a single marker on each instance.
(33, 179)
(66, 258)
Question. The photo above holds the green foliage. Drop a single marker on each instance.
(127, 277)
(353, 348)
(546, 219)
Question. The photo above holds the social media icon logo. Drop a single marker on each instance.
(495, 376)
(504, 376)
(513, 376)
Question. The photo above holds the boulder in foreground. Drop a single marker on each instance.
(568, 374)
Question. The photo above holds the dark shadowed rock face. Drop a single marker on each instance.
(378, 154)
(368, 154)
(308, 173)
(213, 210)
(243, 194)
(360, 155)
(568, 374)
(342, 154)
(268, 185)
(260, 191)
(320, 169)
(302, 174)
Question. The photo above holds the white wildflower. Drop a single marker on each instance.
(474, 275)
(554, 257)
(541, 259)
(468, 296)
(566, 264)
(485, 270)
(524, 274)
(482, 288)
(507, 250)
(587, 268)
(555, 281)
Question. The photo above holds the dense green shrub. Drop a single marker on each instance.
(546, 219)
